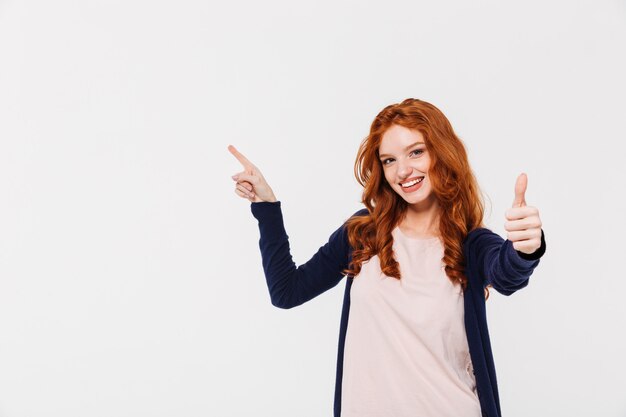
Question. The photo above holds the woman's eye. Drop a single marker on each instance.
(416, 151)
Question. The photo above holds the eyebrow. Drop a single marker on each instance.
(405, 149)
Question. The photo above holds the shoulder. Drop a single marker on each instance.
(342, 231)
(364, 212)
(361, 212)
(340, 236)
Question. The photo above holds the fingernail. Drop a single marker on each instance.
(235, 177)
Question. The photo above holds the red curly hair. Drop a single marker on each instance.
(453, 182)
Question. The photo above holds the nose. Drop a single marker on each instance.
(404, 170)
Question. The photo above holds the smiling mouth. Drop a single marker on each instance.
(412, 183)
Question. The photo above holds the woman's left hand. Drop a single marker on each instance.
(523, 224)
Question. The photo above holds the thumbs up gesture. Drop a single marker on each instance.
(523, 224)
(250, 183)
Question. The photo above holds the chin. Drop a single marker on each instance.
(414, 198)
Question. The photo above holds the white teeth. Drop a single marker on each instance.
(411, 183)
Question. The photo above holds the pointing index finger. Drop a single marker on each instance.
(242, 159)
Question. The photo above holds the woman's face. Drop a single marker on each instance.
(404, 160)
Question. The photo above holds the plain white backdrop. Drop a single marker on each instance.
(130, 274)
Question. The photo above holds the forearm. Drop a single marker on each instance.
(509, 270)
(289, 285)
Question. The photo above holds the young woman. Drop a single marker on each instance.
(413, 338)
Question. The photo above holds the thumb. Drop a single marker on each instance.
(245, 177)
(520, 190)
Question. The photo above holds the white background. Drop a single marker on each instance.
(130, 274)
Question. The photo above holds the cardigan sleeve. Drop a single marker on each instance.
(497, 261)
(290, 285)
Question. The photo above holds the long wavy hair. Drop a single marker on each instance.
(453, 183)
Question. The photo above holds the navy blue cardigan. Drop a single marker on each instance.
(489, 260)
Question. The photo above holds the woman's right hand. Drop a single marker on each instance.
(250, 181)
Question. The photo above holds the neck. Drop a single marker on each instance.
(422, 218)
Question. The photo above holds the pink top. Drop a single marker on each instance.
(406, 352)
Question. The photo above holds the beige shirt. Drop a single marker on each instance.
(406, 352)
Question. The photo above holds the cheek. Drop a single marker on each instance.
(426, 164)
(389, 177)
